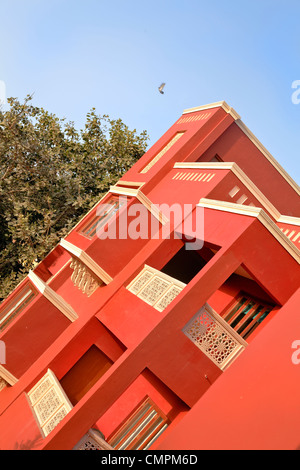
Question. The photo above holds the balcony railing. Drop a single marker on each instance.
(155, 288)
(93, 440)
(210, 333)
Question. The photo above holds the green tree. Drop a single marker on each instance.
(50, 175)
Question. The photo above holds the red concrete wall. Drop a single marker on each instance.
(198, 133)
(255, 403)
(150, 353)
(52, 263)
(221, 192)
(235, 146)
(181, 191)
(31, 334)
(94, 333)
(21, 431)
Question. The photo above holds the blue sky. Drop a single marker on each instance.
(78, 54)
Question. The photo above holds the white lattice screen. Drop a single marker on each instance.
(49, 402)
(155, 288)
(214, 337)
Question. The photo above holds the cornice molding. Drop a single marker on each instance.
(218, 104)
(7, 376)
(260, 214)
(132, 184)
(53, 297)
(131, 192)
(287, 219)
(205, 165)
(268, 155)
(87, 260)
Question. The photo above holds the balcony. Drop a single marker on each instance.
(214, 337)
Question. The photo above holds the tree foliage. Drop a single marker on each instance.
(50, 175)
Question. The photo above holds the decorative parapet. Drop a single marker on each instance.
(210, 333)
(48, 402)
(155, 288)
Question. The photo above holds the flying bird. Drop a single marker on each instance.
(161, 87)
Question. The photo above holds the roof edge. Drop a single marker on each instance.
(228, 109)
(219, 104)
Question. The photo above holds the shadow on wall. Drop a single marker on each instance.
(29, 444)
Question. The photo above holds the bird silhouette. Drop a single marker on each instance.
(161, 87)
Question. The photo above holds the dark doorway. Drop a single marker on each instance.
(85, 373)
(187, 263)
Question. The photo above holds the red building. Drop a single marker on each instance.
(168, 318)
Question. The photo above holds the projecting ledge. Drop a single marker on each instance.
(53, 297)
(86, 260)
(260, 214)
